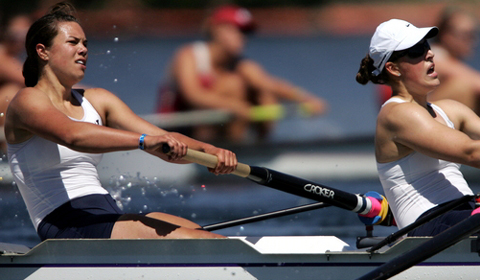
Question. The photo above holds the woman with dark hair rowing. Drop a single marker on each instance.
(56, 135)
(419, 146)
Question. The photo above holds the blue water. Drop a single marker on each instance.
(323, 65)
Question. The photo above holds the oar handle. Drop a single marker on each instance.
(208, 160)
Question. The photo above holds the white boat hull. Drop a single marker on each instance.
(237, 258)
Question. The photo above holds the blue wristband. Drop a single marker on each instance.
(141, 142)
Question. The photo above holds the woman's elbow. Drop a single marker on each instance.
(71, 139)
(473, 158)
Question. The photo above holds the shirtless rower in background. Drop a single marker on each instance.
(213, 74)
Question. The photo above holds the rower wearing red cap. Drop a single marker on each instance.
(212, 74)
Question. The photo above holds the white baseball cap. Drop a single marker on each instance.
(395, 35)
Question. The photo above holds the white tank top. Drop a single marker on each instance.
(49, 175)
(417, 183)
(202, 57)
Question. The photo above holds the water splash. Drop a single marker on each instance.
(150, 193)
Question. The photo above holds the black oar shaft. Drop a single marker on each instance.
(261, 217)
(305, 188)
(425, 250)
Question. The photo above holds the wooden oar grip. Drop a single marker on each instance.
(209, 160)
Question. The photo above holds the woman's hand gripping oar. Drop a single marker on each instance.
(363, 205)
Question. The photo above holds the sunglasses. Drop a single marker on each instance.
(416, 51)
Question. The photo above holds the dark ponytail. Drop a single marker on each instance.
(43, 31)
(364, 74)
(30, 71)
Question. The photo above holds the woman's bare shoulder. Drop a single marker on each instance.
(456, 111)
(99, 95)
(183, 52)
(397, 109)
(398, 115)
(449, 103)
(27, 94)
(453, 107)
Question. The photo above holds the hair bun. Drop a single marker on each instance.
(364, 74)
(63, 8)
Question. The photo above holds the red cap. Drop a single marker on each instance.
(240, 17)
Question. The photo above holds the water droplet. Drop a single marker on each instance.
(194, 215)
(108, 51)
(119, 204)
(115, 80)
(2, 114)
(116, 39)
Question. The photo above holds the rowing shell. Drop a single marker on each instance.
(274, 257)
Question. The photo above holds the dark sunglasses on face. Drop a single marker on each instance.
(416, 51)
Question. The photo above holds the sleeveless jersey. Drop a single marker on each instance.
(417, 183)
(49, 175)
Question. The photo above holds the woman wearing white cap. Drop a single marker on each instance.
(213, 74)
(419, 146)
